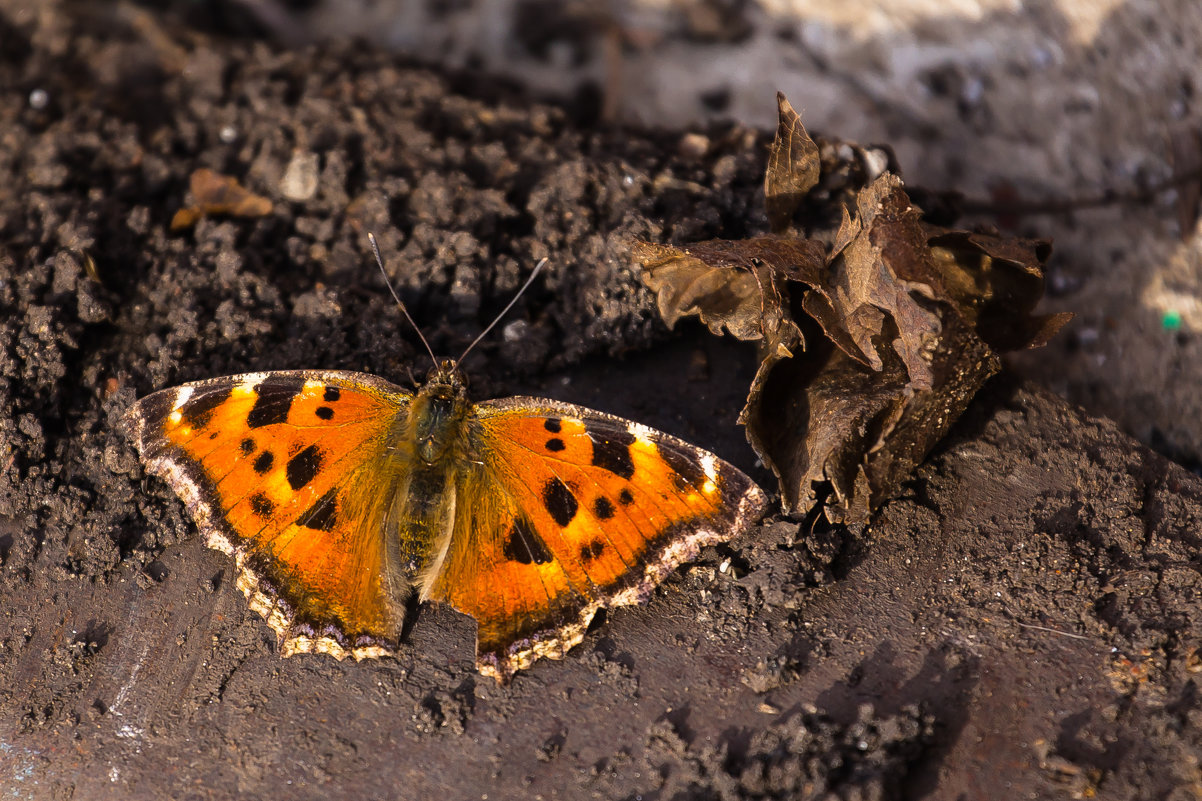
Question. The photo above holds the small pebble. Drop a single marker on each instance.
(693, 145)
(300, 178)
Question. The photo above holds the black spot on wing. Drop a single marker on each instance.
(331, 395)
(261, 505)
(602, 508)
(552, 424)
(273, 399)
(322, 515)
(198, 410)
(625, 497)
(611, 451)
(522, 545)
(325, 412)
(264, 462)
(559, 501)
(248, 446)
(303, 467)
(689, 474)
(591, 551)
(555, 445)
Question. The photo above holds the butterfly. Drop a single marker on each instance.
(343, 497)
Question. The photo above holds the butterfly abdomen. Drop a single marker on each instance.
(420, 523)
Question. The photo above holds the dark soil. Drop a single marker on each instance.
(1023, 623)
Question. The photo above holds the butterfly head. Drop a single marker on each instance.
(445, 379)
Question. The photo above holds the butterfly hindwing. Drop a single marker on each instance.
(284, 471)
(571, 510)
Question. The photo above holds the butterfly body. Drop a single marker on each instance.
(341, 496)
(436, 439)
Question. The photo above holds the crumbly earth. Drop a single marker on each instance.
(1022, 623)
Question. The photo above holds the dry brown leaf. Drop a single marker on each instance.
(883, 240)
(216, 194)
(997, 283)
(793, 168)
(824, 397)
(736, 285)
(869, 353)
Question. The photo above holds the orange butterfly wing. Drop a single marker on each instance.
(272, 466)
(571, 510)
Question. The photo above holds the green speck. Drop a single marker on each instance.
(1171, 320)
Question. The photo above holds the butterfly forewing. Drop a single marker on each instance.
(275, 469)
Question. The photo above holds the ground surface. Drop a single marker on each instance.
(1023, 622)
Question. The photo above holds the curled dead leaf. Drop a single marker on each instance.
(881, 275)
(871, 346)
(997, 282)
(732, 285)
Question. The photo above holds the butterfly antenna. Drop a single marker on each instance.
(537, 269)
(375, 248)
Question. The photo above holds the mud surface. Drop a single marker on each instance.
(1023, 622)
